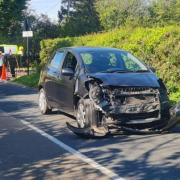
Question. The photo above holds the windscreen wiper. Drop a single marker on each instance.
(141, 71)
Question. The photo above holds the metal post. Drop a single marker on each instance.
(68, 8)
(27, 56)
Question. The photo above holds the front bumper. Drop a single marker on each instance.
(162, 127)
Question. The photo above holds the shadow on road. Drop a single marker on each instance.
(135, 156)
(7, 89)
(25, 154)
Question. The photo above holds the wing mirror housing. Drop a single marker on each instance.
(67, 72)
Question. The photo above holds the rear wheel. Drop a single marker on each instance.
(43, 105)
(86, 115)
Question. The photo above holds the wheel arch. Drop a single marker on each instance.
(77, 98)
(40, 87)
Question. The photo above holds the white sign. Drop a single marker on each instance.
(27, 33)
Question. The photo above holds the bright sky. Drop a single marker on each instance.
(49, 7)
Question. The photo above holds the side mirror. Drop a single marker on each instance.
(67, 72)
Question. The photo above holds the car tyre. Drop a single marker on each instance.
(87, 115)
(43, 105)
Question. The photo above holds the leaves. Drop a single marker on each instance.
(11, 17)
(146, 13)
(78, 17)
(159, 47)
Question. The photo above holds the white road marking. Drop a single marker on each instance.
(76, 153)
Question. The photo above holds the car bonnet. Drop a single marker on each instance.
(127, 79)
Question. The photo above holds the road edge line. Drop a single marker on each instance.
(76, 153)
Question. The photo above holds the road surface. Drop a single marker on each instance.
(33, 146)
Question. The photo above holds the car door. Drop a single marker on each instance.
(52, 77)
(68, 82)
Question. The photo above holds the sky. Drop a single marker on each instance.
(49, 7)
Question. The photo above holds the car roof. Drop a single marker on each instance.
(85, 49)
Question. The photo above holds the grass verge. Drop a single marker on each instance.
(30, 81)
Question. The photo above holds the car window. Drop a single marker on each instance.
(70, 61)
(57, 59)
(131, 63)
(101, 61)
(111, 60)
(87, 58)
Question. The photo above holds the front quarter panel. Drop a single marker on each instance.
(80, 88)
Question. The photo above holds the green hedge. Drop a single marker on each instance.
(158, 47)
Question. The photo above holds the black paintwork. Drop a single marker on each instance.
(63, 91)
(128, 79)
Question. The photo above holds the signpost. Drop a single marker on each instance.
(27, 34)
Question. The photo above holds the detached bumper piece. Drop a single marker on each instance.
(92, 132)
(100, 132)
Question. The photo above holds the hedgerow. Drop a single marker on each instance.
(159, 47)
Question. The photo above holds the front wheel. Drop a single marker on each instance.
(86, 115)
(43, 105)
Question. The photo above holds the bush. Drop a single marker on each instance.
(159, 47)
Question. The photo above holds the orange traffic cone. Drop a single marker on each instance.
(4, 73)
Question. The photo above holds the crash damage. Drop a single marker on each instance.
(124, 109)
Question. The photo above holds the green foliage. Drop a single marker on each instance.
(175, 97)
(158, 47)
(48, 47)
(42, 28)
(146, 13)
(164, 12)
(78, 17)
(115, 13)
(11, 17)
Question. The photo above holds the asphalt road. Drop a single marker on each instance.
(33, 146)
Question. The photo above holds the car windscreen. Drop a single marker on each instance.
(111, 61)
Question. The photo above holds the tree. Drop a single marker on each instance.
(78, 17)
(116, 13)
(11, 18)
(42, 28)
(165, 11)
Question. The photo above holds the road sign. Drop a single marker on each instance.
(9, 49)
(27, 34)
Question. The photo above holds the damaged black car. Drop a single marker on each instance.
(108, 90)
